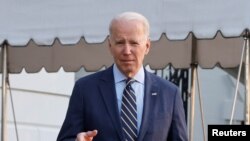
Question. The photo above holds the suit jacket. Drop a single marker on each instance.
(93, 105)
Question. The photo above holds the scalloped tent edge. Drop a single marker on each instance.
(207, 53)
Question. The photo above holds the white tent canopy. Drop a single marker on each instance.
(73, 33)
(45, 20)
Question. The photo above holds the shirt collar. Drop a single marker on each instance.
(119, 76)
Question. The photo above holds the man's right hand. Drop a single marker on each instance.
(86, 136)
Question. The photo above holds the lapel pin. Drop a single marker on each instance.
(154, 93)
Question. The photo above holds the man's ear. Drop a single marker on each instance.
(109, 41)
(109, 45)
(148, 46)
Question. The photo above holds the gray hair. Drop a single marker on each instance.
(131, 16)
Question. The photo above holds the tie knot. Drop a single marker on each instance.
(129, 81)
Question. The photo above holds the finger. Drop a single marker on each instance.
(91, 133)
(86, 136)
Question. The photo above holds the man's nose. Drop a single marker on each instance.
(127, 49)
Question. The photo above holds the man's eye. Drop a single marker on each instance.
(134, 43)
(119, 43)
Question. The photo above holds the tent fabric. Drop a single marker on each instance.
(45, 20)
(73, 34)
(224, 52)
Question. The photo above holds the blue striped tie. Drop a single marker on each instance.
(129, 112)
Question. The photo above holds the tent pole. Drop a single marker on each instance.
(201, 106)
(238, 81)
(4, 93)
(194, 66)
(247, 83)
(192, 101)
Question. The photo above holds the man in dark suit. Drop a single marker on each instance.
(98, 108)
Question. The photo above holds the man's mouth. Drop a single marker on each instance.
(127, 61)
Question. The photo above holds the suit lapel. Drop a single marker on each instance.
(149, 102)
(107, 88)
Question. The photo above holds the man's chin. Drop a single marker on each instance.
(128, 72)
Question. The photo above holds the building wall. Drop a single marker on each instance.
(40, 102)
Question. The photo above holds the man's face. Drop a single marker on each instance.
(128, 44)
